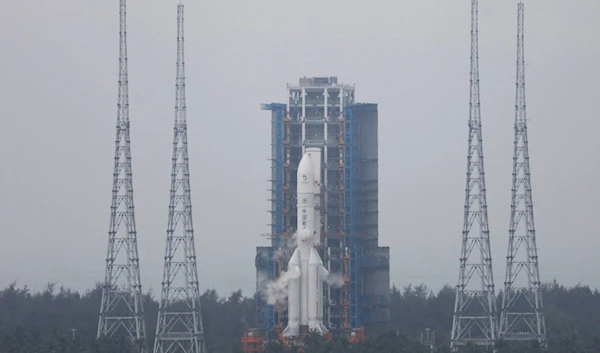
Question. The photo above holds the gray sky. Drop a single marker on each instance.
(58, 87)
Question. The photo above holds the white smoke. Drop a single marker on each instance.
(335, 280)
(278, 253)
(276, 291)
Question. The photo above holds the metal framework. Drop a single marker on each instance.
(122, 310)
(267, 313)
(179, 326)
(475, 306)
(522, 316)
(351, 242)
(312, 117)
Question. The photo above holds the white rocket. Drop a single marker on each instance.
(305, 293)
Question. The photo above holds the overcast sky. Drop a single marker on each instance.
(58, 92)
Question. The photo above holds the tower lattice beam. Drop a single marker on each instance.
(179, 328)
(522, 316)
(475, 306)
(122, 310)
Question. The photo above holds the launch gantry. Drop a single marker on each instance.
(322, 113)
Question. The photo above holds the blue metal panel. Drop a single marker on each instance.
(350, 170)
(354, 274)
(375, 300)
(351, 241)
(278, 135)
(372, 261)
(261, 261)
(376, 316)
(267, 320)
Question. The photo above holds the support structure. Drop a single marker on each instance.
(522, 316)
(321, 112)
(122, 310)
(475, 306)
(179, 328)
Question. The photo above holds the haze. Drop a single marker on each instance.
(58, 87)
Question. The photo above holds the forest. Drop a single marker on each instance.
(61, 320)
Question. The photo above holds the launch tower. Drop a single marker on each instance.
(121, 309)
(322, 113)
(475, 317)
(522, 316)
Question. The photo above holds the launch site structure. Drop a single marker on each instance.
(122, 306)
(522, 314)
(179, 327)
(322, 113)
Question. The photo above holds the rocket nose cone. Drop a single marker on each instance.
(305, 170)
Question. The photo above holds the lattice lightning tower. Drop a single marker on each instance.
(475, 306)
(522, 316)
(122, 310)
(179, 327)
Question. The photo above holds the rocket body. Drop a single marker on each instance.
(305, 297)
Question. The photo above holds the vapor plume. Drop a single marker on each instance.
(276, 291)
(335, 280)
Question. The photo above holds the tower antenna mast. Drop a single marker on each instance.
(122, 310)
(179, 328)
(522, 316)
(475, 306)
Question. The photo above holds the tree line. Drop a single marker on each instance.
(64, 321)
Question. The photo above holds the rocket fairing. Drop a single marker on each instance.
(305, 293)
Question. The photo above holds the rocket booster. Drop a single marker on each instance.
(316, 276)
(305, 297)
